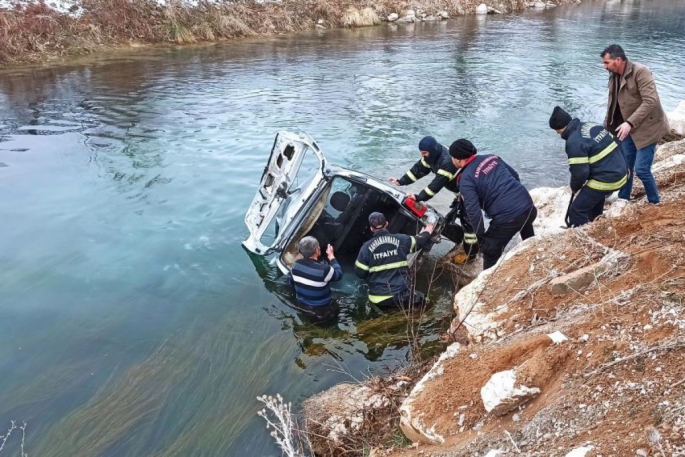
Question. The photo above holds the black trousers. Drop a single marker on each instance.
(587, 206)
(463, 233)
(319, 314)
(498, 236)
(408, 300)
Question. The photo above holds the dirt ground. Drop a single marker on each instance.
(617, 385)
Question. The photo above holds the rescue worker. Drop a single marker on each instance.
(596, 164)
(435, 158)
(311, 279)
(488, 183)
(382, 262)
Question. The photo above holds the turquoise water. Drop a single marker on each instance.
(131, 320)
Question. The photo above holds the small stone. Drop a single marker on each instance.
(585, 338)
(392, 17)
(641, 453)
(474, 356)
(647, 328)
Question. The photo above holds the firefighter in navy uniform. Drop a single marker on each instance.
(489, 184)
(435, 158)
(596, 164)
(382, 262)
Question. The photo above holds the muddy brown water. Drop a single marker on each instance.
(131, 320)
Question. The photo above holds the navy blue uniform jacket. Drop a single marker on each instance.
(593, 157)
(490, 184)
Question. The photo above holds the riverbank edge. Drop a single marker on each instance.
(38, 34)
(442, 411)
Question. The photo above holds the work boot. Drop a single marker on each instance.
(461, 258)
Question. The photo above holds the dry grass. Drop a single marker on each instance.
(38, 33)
(364, 18)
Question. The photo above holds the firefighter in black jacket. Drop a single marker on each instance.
(435, 158)
(596, 164)
(489, 184)
(382, 261)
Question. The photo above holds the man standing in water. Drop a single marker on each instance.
(382, 262)
(635, 116)
(311, 279)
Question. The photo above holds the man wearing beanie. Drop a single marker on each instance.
(487, 183)
(382, 262)
(596, 164)
(435, 158)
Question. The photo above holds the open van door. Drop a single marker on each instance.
(278, 195)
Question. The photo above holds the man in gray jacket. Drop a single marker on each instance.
(635, 116)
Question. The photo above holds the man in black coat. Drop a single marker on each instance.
(435, 158)
(596, 164)
(382, 262)
(487, 183)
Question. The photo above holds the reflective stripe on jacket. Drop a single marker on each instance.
(593, 157)
(438, 162)
(382, 261)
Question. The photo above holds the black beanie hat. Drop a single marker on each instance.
(559, 118)
(462, 149)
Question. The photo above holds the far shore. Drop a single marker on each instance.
(40, 34)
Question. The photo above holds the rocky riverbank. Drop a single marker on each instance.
(573, 345)
(37, 31)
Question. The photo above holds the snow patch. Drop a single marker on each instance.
(677, 118)
(580, 451)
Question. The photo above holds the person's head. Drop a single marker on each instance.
(461, 151)
(429, 147)
(339, 201)
(559, 120)
(614, 59)
(377, 221)
(309, 247)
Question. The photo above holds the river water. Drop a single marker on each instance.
(131, 320)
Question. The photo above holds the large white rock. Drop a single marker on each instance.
(482, 9)
(677, 118)
(340, 412)
(552, 203)
(501, 394)
(392, 17)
